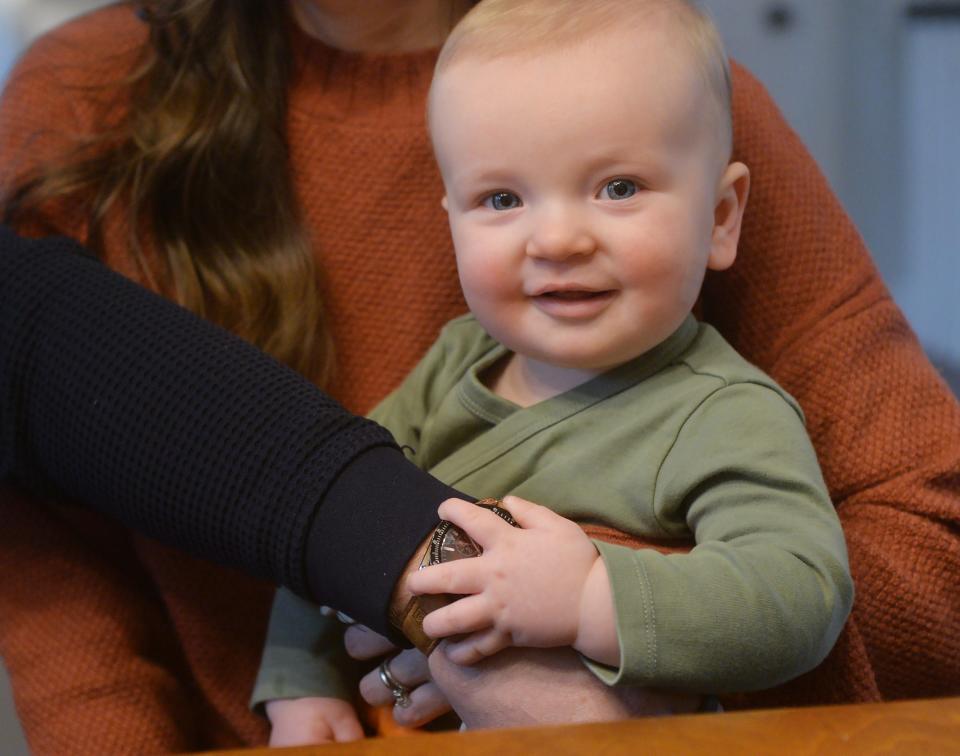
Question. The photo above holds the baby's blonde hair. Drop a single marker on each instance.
(496, 28)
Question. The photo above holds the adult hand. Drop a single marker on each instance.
(523, 687)
(408, 667)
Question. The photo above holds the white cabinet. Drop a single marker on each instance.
(796, 48)
(929, 286)
(873, 89)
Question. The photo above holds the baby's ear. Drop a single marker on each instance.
(444, 204)
(732, 194)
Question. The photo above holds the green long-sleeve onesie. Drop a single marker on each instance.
(687, 440)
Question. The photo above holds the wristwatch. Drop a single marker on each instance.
(447, 544)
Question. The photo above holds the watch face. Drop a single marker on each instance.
(449, 543)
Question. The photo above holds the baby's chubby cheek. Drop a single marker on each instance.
(488, 283)
(666, 271)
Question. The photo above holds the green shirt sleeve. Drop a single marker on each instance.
(303, 654)
(766, 591)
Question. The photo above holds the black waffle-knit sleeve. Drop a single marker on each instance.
(114, 396)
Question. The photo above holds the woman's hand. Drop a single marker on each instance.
(526, 687)
(518, 687)
(408, 667)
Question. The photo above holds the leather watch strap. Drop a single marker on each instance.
(410, 620)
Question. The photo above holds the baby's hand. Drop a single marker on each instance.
(311, 720)
(524, 590)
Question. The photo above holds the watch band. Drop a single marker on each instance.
(410, 620)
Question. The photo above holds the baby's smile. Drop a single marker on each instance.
(573, 303)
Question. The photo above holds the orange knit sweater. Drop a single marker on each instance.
(117, 644)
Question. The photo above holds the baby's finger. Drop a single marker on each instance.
(427, 703)
(477, 647)
(480, 523)
(466, 615)
(462, 577)
(363, 643)
(311, 734)
(527, 514)
(346, 729)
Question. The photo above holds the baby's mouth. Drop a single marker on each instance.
(574, 304)
(574, 294)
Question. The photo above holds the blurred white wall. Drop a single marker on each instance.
(928, 287)
(32, 17)
(22, 20)
(12, 742)
(873, 89)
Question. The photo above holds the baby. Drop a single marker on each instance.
(585, 150)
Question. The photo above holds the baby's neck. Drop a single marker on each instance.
(525, 381)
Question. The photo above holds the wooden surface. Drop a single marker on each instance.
(927, 728)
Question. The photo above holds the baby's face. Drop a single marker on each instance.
(581, 186)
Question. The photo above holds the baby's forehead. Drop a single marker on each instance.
(641, 33)
(590, 109)
(633, 33)
(624, 63)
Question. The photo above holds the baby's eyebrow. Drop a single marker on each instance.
(484, 175)
(631, 158)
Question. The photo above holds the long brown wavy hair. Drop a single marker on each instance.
(200, 162)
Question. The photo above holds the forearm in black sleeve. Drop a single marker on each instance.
(117, 397)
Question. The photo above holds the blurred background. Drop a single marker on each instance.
(873, 89)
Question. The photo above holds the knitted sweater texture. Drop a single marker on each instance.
(118, 644)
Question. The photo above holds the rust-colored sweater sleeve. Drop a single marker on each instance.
(805, 302)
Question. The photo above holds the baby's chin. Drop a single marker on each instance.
(585, 361)
(588, 353)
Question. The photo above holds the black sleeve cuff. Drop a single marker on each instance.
(374, 516)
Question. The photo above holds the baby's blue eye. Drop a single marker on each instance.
(502, 201)
(620, 189)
